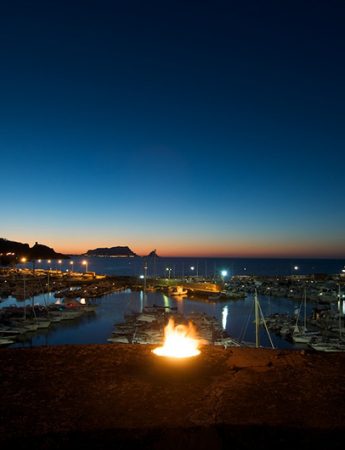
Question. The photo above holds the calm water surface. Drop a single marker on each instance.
(197, 266)
(97, 328)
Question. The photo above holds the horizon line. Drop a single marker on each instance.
(208, 257)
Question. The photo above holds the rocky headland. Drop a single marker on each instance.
(11, 252)
(118, 251)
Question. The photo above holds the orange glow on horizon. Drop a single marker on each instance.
(236, 251)
(200, 248)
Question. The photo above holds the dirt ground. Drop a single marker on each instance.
(117, 396)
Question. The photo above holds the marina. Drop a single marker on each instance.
(172, 252)
(88, 308)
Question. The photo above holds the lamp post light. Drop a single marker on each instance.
(85, 263)
(71, 263)
(296, 269)
(142, 277)
(34, 262)
(145, 275)
(23, 260)
(168, 269)
(192, 269)
(224, 273)
(59, 262)
(49, 261)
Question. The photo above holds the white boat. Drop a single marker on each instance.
(5, 341)
(227, 342)
(327, 347)
(179, 291)
(27, 324)
(42, 323)
(55, 319)
(146, 318)
(216, 297)
(233, 295)
(69, 315)
(118, 340)
(303, 336)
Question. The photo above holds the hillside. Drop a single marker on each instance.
(13, 252)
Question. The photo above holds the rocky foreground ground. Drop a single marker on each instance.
(123, 396)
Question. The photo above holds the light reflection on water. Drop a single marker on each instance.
(97, 328)
(224, 316)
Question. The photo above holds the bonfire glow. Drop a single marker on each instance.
(180, 341)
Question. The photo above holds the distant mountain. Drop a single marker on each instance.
(12, 252)
(112, 251)
(153, 254)
(40, 251)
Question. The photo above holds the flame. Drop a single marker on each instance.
(180, 341)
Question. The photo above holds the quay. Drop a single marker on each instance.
(124, 396)
(26, 283)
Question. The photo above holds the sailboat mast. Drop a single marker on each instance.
(24, 291)
(257, 341)
(305, 308)
(340, 310)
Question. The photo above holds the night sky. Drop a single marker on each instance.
(196, 128)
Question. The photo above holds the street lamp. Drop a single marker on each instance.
(145, 276)
(295, 268)
(224, 274)
(71, 263)
(23, 260)
(169, 271)
(59, 261)
(85, 263)
(49, 261)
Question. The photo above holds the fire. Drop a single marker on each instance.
(180, 341)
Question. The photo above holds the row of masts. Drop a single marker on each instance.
(32, 298)
(305, 311)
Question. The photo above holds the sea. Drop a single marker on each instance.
(207, 267)
(235, 317)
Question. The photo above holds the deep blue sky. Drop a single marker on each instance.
(199, 128)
